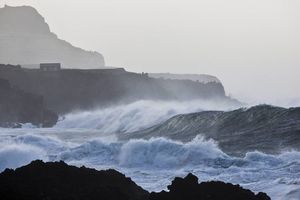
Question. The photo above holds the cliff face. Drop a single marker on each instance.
(25, 38)
(17, 106)
(68, 90)
(57, 181)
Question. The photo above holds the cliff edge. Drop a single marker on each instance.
(18, 107)
(67, 90)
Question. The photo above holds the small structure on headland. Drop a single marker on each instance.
(145, 75)
(10, 67)
(50, 66)
(58, 67)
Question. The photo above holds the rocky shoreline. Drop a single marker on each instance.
(57, 181)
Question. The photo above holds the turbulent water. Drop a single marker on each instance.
(135, 116)
(265, 128)
(152, 163)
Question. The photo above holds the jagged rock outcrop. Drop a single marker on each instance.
(58, 181)
(189, 188)
(275, 129)
(25, 38)
(18, 107)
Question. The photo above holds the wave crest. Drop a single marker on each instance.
(135, 116)
(153, 163)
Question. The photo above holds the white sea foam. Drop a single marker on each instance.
(15, 155)
(134, 116)
(154, 163)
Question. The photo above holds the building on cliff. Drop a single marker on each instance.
(50, 66)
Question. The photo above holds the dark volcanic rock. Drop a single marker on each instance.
(188, 188)
(264, 128)
(58, 181)
(17, 106)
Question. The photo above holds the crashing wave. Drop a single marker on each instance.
(153, 163)
(134, 116)
(266, 128)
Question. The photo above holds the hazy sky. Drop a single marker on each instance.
(253, 46)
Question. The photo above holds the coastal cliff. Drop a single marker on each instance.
(67, 90)
(18, 107)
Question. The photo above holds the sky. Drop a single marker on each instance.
(252, 46)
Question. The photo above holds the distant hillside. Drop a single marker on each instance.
(203, 78)
(70, 89)
(25, 38)
(18, 107)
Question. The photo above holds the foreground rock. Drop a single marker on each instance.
(189, 188)
(18, 107)
(57, 180)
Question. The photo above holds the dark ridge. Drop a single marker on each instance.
(263, 128)
(70, 89)
(18, 107)
(189, 188)
(58, 181)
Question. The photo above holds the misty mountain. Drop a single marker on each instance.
(263, 128)
(25, 38)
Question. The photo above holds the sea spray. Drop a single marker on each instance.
(16, 155)
(134, 116)
(155, 162)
